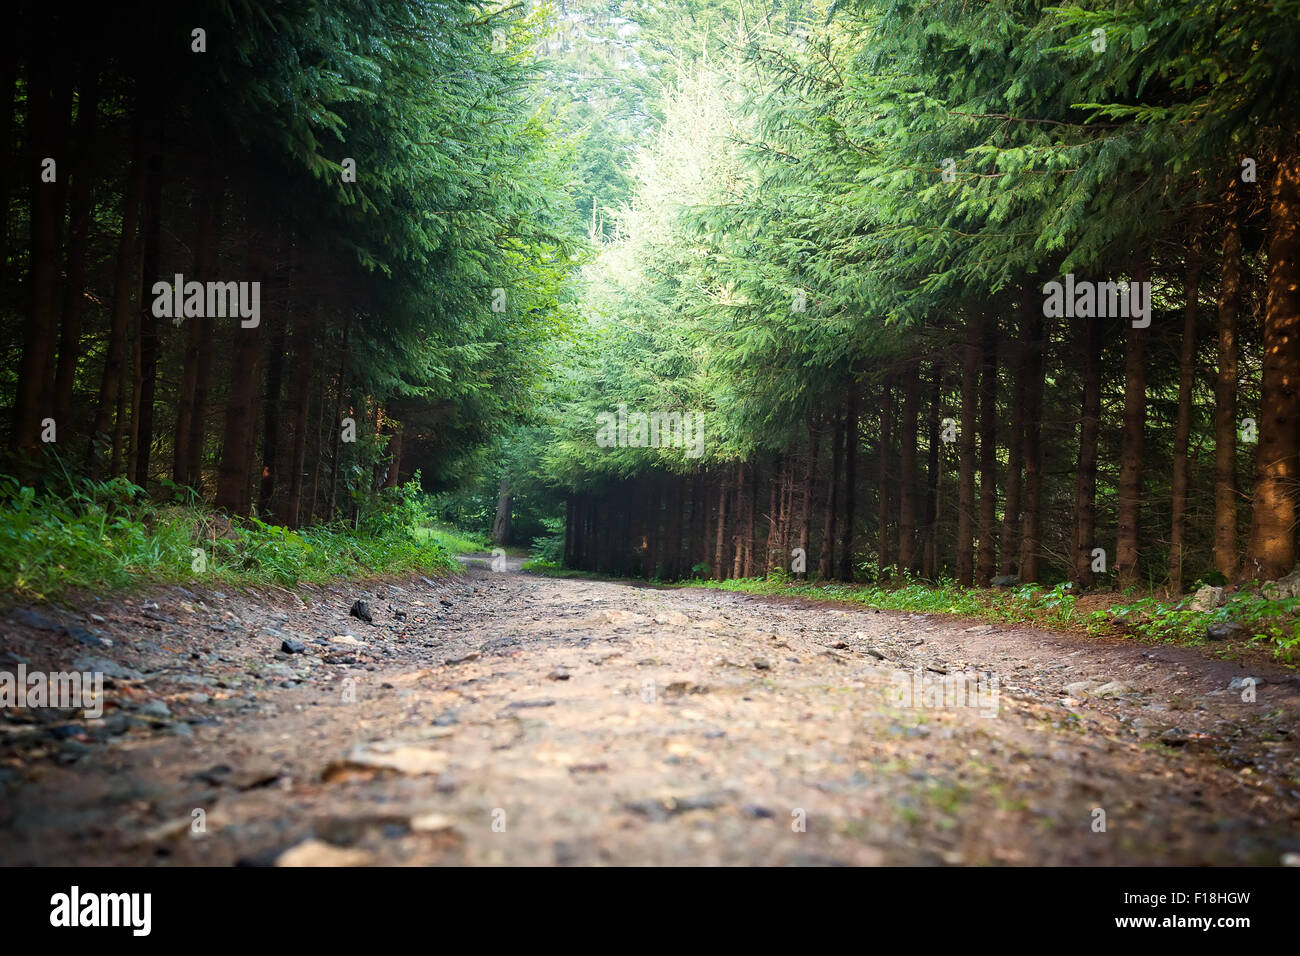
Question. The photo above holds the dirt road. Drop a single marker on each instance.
(503, 718)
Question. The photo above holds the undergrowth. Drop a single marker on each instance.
(100, 536)
(1271, 623)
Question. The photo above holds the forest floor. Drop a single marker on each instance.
(506, 718)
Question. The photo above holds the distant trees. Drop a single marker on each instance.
(869, 209)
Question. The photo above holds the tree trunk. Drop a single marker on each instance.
(1130, 455)
(336, 462)
(1085, 480)
(271, 425)
(966, 463)
(79, 220)
(40, 325)
(751, 504)
(234, 473)
(1225, 392)
(1271, 552)
(805, 514)
(318, 459)
(108, 411)
(147, 373)
(1012, 501)
(505, 508)
(934, 477)
(826, 564)
(1033, 444)
(884, 553)
(720, 544)
(8, 88)
(738, 545)
(907, 468)
(187, 460)
(771, 553)
(850, 481)
(988, 454)
(304, 346)
(1183, 429)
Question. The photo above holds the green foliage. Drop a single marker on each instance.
(109, 535)
(454, 541)
(549, 549)
(1274, 623)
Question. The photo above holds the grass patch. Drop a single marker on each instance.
(1274, 624)
(453, 541)
(112, 535)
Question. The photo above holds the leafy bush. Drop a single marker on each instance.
(549, 550)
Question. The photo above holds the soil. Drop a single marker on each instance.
(505, 718)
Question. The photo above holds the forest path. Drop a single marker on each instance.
(509, 718)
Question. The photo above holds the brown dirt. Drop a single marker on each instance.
(544, 721)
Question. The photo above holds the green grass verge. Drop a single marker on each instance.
(111, 535)
(455, 542)
(1274, 624)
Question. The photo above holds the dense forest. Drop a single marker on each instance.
(971, 291)
(275, 253)
(879, 288)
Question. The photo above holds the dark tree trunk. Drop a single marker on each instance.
(1271, 552)
(505, 509)
(110, 407)
(934, 477)
(1225, 392)
(304, 346)
(966, 462)
(8, 88)
(79, 219)
(907, 468)
(271, 424)
(234, 475)
(40, 326)
(1032, 453)
(720, 546)
(988, 505)
(805, 515)
(884, 553)
(147, 373)
(191, 432)
(850, 482)
(1183, 429)
(1130, 456)
(1085, 478)
(1011, 508)
(826, 565)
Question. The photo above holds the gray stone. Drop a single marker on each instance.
(106, 667)
(1224, 631)
(1284, 587)
(1207, 598)
(155, 708)
(1239, 683)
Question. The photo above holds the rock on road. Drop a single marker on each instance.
(505, 718)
